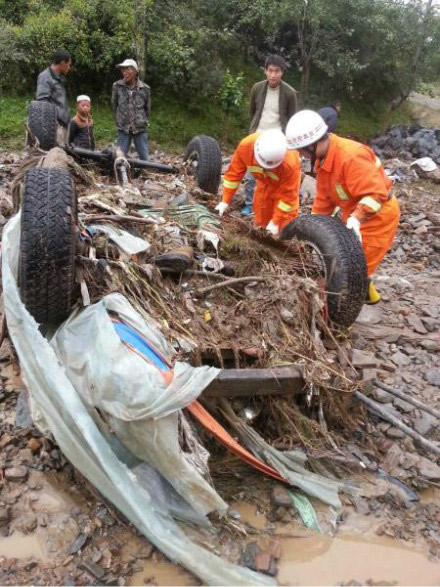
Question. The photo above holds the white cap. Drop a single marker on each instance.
(270, 148)
(129, 63)
(83, 98)
(305, 128)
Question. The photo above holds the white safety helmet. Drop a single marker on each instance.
(270, 148)
(305, 128)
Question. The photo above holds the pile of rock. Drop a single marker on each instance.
(408, 142)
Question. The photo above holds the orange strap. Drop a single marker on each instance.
(217, 430)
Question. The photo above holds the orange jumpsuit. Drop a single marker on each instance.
(352, 177)
(277, 192)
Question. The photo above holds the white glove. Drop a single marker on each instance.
(221, 208)
(354, 225)
(272, 228)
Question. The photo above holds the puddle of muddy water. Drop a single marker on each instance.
(21, 546)
(323, 560)
(250, 514)
(162, 573)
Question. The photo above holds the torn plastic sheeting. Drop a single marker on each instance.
(207, 236)
(118, 381)
(79, 438)
(306, 511)
(142, 401)
(127, 243)
(290, 465)
(191, 216)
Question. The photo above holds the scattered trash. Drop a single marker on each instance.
(306, 511)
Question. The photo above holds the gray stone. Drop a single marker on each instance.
(363, 360)
(416, 324)
(403, 405)
(400, 359)
(395, 433)
(287, 316)
(382, 396)
(280, 497)
(23, 418)
(432, 324)
(432, 376)
(425, 424)
(370, 315)
(429, 469)
(431, 346)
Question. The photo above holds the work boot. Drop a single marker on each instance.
(178, 260)
(373, 296)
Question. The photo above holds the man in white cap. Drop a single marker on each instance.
(131, 101)
(81, 128)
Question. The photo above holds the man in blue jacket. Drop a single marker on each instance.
(330, 114)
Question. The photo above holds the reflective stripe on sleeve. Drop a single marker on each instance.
(371, 203)
(340, 191)
(255, 169)
(272, 175)
(232, 185)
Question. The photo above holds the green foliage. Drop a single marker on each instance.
(171, 128)
(231, 93)
(192, 51)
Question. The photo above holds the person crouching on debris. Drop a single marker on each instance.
(350, 177)
(277, 172)
(81, 128)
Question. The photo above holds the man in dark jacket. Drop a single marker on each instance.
(272, 104)
(50, 86)
(330, 114)
(131, 101)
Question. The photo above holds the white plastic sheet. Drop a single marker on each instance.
(127, 243)
(78, 436)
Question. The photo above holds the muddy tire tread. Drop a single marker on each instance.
(42, 122)
(47, 247)
(209, 162)
(345, 263)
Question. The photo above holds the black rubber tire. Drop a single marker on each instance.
(346, 267)
(206, 151)
(48, 245)
(43, 123)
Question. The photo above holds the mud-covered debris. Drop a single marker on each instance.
(280, 497)
(16, 474)
(78, 543)
(92, 568)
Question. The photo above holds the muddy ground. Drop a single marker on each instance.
(55, 529)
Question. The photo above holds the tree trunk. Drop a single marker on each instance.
(304, 83)
(140, 34)
(394, 104)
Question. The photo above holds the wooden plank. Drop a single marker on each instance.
(249, 382)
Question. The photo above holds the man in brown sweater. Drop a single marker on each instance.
(272, 104)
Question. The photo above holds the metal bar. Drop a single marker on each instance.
(88, 154)
(387, 416)
(407, 398)
(151, 165)
(248, 382)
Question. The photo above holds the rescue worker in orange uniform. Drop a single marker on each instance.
(350, 177)
(278, 175)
